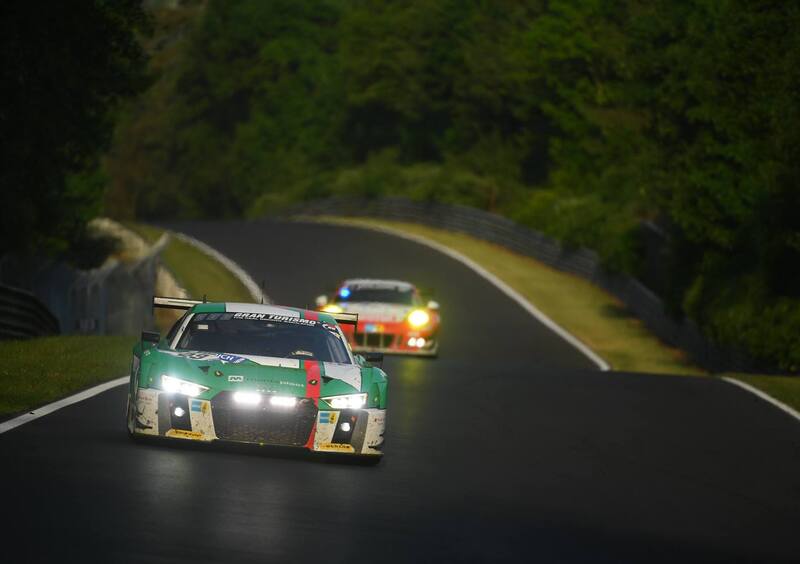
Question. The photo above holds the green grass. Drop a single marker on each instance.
(783, 388)
(197, 272)
(595, 317)
(37, 371)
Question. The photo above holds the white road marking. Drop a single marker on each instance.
(500, 285)
(235, 269)
(530, 308)
(55, 406)
(766, 397)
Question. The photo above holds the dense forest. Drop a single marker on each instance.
(65, 68)
(591, 120)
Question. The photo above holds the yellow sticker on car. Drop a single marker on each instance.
(182, 434)
(336, 447)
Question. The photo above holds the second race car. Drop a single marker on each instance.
(392, 316)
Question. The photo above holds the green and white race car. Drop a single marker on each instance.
(258, 374)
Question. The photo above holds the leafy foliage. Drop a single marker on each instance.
(63, 68)
(587, 119)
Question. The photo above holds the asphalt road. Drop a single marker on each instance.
(509, 447)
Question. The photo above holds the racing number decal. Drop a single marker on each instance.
(313, 385)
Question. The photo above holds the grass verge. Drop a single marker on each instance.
(594, 316)
(198, 273)
(38, 371)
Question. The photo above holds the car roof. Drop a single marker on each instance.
(379, 283)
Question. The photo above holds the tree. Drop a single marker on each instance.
(64, 67)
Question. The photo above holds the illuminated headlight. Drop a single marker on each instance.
(177, 386)
(283, 401)
(350, 401)
(332, 308)
(247, 398)
(418, 318)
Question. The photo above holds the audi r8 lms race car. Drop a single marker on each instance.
(257, 374)
(392, 317)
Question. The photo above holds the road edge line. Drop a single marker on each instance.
(240, 273)
(497, 283)
(763, 395)
(538, 314)
(56, 405)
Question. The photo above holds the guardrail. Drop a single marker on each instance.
(637, 298)
(114, 299)
(23, 316)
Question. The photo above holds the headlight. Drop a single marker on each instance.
(247, 398)
(177, 386)
(350, 401)
(418, 318)
(332, 308)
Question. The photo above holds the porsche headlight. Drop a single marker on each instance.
(177, 386)
(332, 308)
(349, 401)
(418, 318)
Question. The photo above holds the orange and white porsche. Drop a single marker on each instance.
(392, 316)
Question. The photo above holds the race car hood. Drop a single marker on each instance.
(221, 372)
(377, 312)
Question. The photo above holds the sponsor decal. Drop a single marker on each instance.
(233, 378)
(285, 383)
(328, 417)
(231, 358)
(373, 328)
(277, 318)
(336, 447)
(197, 405)
(181, 434)
(194, 355)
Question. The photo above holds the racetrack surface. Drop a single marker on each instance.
(509, 447)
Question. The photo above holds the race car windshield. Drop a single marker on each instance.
(264, 335)
(382, 295)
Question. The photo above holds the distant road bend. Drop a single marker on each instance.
(509, 447)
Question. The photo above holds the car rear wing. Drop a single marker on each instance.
(344, 318)
(174, 303)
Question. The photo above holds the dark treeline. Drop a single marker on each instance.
(64, 67)
(587, 120)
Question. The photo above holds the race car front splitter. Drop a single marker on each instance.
(350, 431)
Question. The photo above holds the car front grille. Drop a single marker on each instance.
(263, 424)
(374, 340)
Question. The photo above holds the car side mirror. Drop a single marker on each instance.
(375, 358)
(433, 305)
(321, 301)
(151, 337)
